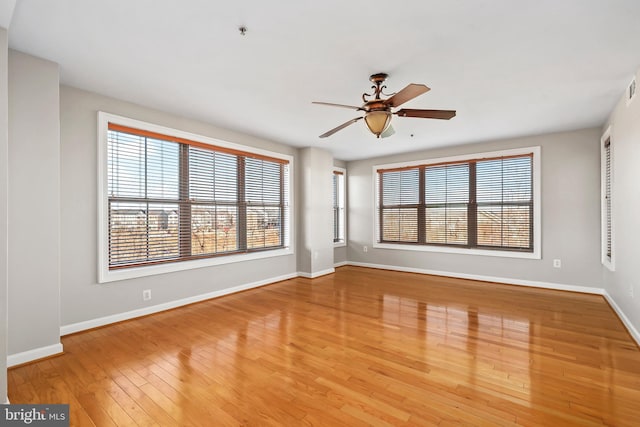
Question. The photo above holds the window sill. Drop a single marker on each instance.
(609, 265)
(464, 251)
(135, 272)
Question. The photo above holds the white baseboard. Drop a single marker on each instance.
(35, 354)
(317, 273)
(119, 317)
(340, 264)
(505, 280)
(625, 320)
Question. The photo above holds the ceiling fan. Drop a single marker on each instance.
(378, 111)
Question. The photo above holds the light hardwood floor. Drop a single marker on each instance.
(358, 347)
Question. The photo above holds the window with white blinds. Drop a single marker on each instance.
(338, 197)
(171, 199)
(607, 196)
(607, 219)
(485, 203)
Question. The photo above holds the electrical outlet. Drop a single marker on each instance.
(146, 295)
(365, 249)
(557, 263)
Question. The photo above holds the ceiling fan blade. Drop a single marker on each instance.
(426, 114)
(351, 107)
(387, 133)
(342, 126)
(407, 94)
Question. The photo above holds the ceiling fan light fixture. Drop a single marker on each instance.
(378, 110)
(378, 121)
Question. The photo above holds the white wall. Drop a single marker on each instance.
(84, 301)
(315, 248)
(339, 255)
(34, 207)
(3, 211)
(570, 216)
(625, 143)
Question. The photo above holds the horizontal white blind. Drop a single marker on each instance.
(505, 202)
(607, 196)
(338, 206)
(400, 194)
(263, 195)
(213, 195)
(447, 198)
(143, 198)
(334, 198)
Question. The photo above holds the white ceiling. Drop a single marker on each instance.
(6, 11)
(509, 67)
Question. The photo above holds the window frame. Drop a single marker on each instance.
(607, 216)
(342, 199)
(630, 93)
(537, 205)
(105, 274)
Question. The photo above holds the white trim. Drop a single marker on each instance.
(628, 95)
(537, 204)
(119, 317)
(501, 280)
(106, 275)
(131, 273)
(635, 334)
(454, 250)
(35, 354)
(460, 158)
(608, 262)
(316, 274)
(340, 264)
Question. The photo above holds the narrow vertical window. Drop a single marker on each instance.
(339, 196)
(607, 204)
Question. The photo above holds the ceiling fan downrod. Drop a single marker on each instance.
(378, 80)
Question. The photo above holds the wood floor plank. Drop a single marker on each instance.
(355, 348)
(155, 411)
